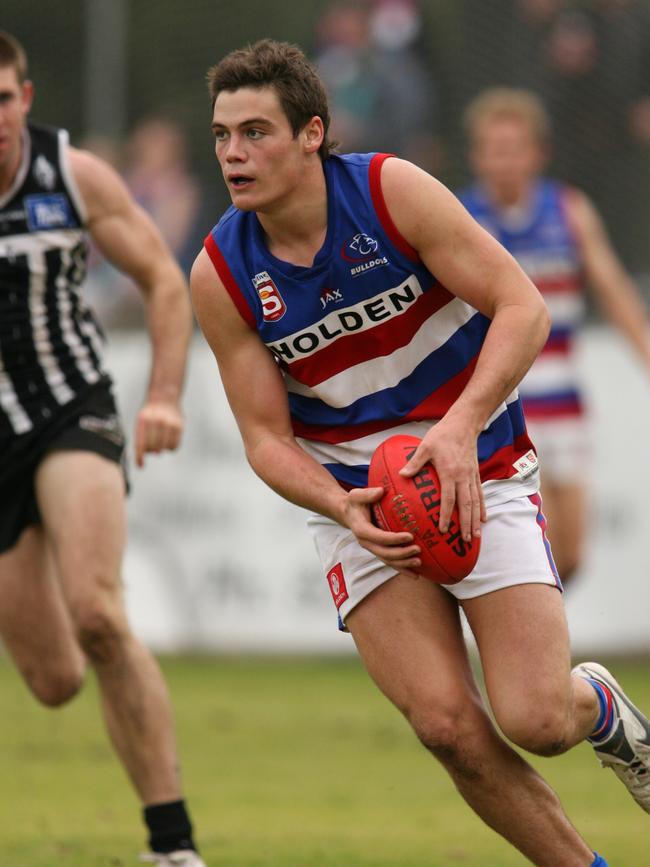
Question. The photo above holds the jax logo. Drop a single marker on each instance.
(329, 296)
(360, 248)
(273, 306)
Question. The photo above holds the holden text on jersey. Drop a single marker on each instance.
(360, 317)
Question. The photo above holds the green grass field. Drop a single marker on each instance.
(287, 763)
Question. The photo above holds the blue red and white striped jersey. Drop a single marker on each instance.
(542, 241)
(368, 340)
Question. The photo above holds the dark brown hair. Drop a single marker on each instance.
(13, 54)
(283, 67)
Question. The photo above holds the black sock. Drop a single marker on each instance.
(169, 827)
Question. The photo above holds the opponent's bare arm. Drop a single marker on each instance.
(258, 398)
(614, 291)
(128, 238)
(476, 268)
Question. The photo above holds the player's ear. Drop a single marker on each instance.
(27, 94)
(313, 134)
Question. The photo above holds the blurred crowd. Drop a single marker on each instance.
(393, 89)
(589, 60)
(154, 163)
(384, 95)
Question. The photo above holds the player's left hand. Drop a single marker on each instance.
(451, 447)
(158, 428)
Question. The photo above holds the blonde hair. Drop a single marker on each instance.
(508, 102)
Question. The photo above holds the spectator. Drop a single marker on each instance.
(382, 92)
(556, 235)
(154, 166)
(157, 174)
(592, 65)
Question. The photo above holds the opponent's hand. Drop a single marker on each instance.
(395, 549)
(158, 428)
(451, 448)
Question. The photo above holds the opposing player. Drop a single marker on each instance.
(559, 240)
(62, 482)
(317, 294)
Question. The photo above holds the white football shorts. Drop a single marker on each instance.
(514, 550)
(564, 448)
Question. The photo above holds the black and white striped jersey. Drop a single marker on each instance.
(50, 343)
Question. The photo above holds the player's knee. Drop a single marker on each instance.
(101, 634)
(57, 688)
(446, 731)
(542, 732)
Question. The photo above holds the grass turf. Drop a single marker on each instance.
(287, 763)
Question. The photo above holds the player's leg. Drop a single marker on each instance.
(81, 499)
(34, 623)
(565, 507)
(521, 632)
(523, 641)
(539, 704)
(409, 636)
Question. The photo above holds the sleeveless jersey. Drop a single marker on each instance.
(49, 341)
(544, 245)
(369, 342)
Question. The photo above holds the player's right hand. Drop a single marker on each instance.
(394, 549)
(159, 427)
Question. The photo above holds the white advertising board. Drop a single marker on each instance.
(217, 561)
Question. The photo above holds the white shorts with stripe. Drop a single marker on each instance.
(514, 550)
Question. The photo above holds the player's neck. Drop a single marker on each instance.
(512, 198)
(9, 168)
(295, 228)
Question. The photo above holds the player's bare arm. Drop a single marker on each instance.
(128, 238)
(475, 268)
(614, 291)
(258, 398)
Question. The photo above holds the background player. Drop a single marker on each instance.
(62, 482)
(558, 238)
(316, 293)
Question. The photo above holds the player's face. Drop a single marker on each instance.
(507, 157)
(15, 102)
(261, 159)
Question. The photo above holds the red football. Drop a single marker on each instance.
(413, 504)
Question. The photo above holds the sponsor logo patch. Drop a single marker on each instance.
(273, 306)
(359, 248)
(526, 464)
(49, 212)
(363, 252)
(330, 296)
(337, 585)
(109, 427)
